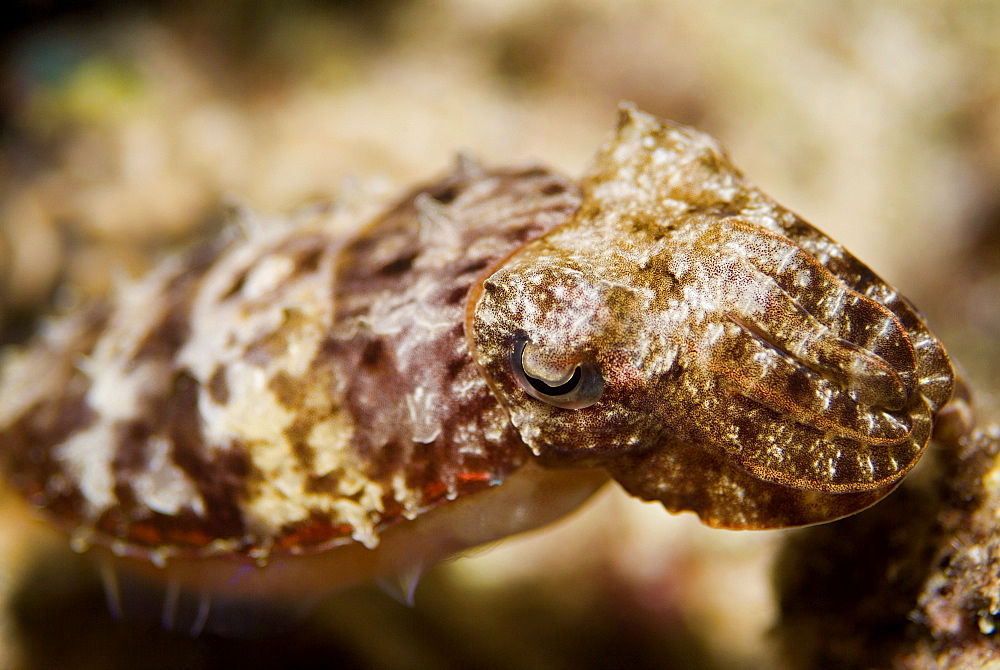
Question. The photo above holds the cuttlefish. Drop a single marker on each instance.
(289, 409)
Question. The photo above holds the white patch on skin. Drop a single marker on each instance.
(412, 313)
(254, 413)
(87, 455)
(788, 259)
(467, 437)
(222, 329)
(404, 495)
(266, 275)
(116, 393)
(831, 304)
(422, 406)
(138, 307)
(468, 386)
(162, 486)
(495, 422)
(86, 459)
(751, 299)
(32, 375)
(660, 365)
(329, 440)
(713, 333)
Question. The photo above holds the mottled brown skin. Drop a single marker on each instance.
(281, 390)
(753, 370)
(496, 337)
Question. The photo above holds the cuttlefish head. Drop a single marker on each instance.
(708, 347)
(560, 347)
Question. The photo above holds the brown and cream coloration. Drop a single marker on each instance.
(290, 407)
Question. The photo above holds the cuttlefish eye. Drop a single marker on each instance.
(575, 388)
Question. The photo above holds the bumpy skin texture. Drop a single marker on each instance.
(753, 370)
(289, 389)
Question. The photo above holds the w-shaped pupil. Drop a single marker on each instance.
(562, 389)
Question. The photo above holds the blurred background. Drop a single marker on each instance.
(130, 129)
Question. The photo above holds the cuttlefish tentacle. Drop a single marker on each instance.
(772, 378)
(932, 372)
(784, 447)
(815, 317)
